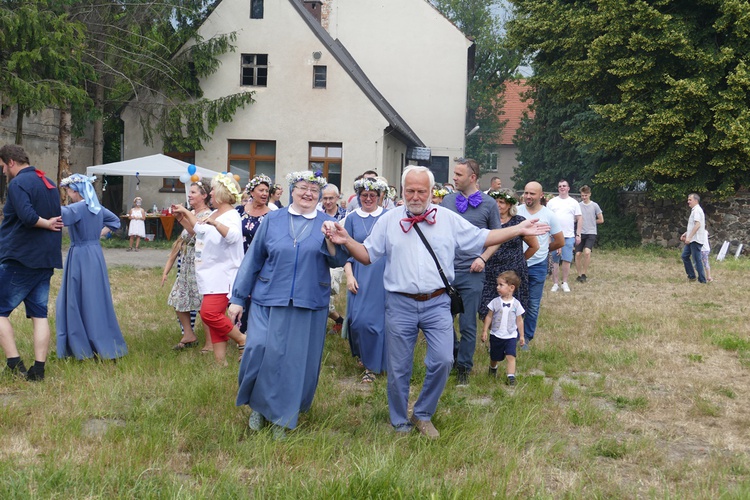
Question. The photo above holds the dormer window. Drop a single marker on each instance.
(256, 9)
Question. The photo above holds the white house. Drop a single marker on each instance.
(383, 84)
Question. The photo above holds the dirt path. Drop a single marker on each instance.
(147, 257)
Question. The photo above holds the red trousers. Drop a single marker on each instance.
(213, 313)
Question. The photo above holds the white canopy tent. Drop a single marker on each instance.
(157, 165)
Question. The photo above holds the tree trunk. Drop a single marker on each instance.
(19, 125)
(99, 126)
(64, 141)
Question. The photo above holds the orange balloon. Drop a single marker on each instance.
(194, 178)
(237, 177)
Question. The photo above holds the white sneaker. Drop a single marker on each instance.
(565, 287)
(555, 288)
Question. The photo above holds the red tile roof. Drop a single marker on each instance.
(513, 109)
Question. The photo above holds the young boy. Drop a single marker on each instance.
(505, 316)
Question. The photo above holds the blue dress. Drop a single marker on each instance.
(86, 324)
(365, 309)
(286, 272)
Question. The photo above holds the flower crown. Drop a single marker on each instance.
(367, 184)
(76, 178)
(499, 195)
(228, 182)
(307, 176)
(257, 181)
(440, 192)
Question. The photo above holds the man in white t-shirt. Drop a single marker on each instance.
(536, 262)
(694, 238)
(568, 214)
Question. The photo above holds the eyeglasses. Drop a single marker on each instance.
(308, 189)
(369, 195)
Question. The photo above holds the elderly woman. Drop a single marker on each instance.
(286, 271)
(255, 207)
(218, 254)
(184, 296)
(85, 318)
(365, 301)
(510, 256)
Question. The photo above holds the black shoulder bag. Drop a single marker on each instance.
(457, 303)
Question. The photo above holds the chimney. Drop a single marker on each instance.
(314, 7)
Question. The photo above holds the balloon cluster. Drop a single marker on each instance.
(192, 175)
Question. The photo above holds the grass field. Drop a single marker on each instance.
(636, 387)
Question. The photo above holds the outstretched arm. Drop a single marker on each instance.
(337, 235)
(528, 227)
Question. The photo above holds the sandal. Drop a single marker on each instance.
(185, 345)
(368, 377)
(241, 348)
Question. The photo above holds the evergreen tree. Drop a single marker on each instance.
(662, 87)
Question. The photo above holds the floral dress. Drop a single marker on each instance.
(185, 296)
(509, 257)
(250, 225)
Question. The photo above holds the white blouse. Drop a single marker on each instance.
(217, 259)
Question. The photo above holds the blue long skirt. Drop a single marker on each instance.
(86, 324)
(281, 362)
(366, 317)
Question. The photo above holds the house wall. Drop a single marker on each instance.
(40, 140)
(288, 111)
(416, 58)
(506, 167)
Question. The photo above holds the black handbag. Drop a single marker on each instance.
(457, 303)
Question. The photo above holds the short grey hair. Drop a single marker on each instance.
(417, 168)
(695, 196)
(331, 187)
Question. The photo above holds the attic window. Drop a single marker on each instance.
(254, 70)
(320, 75)
(256, 9)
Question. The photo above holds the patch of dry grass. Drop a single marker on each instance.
(636, 386)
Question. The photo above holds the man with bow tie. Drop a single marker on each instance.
(481, 210)
(415, 293)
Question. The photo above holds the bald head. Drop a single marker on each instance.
(532, 195)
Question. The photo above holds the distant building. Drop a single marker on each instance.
(340, 85)
(503, 160)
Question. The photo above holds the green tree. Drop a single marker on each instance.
(493, 64)
(40, 59)
(662, 87)
(149, 56)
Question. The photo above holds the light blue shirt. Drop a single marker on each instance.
(545, 216)
(409, 267)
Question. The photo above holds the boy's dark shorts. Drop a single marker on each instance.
(499, 348)
(587, 241)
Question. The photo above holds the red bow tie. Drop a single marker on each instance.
(42, 176)
(428, 217)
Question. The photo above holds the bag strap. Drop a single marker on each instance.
(434, 257)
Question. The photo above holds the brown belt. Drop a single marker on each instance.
(421, 297)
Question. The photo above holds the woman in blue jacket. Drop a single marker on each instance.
(286, 273)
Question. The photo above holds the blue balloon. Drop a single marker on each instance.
(191, 169)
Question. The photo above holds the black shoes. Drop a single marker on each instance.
(35, 374)
(19, 370)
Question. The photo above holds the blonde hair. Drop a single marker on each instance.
(221, 193)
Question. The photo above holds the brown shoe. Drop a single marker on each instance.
(425, 427)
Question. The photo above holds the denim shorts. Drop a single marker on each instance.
(567, 252)
(27, 285)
